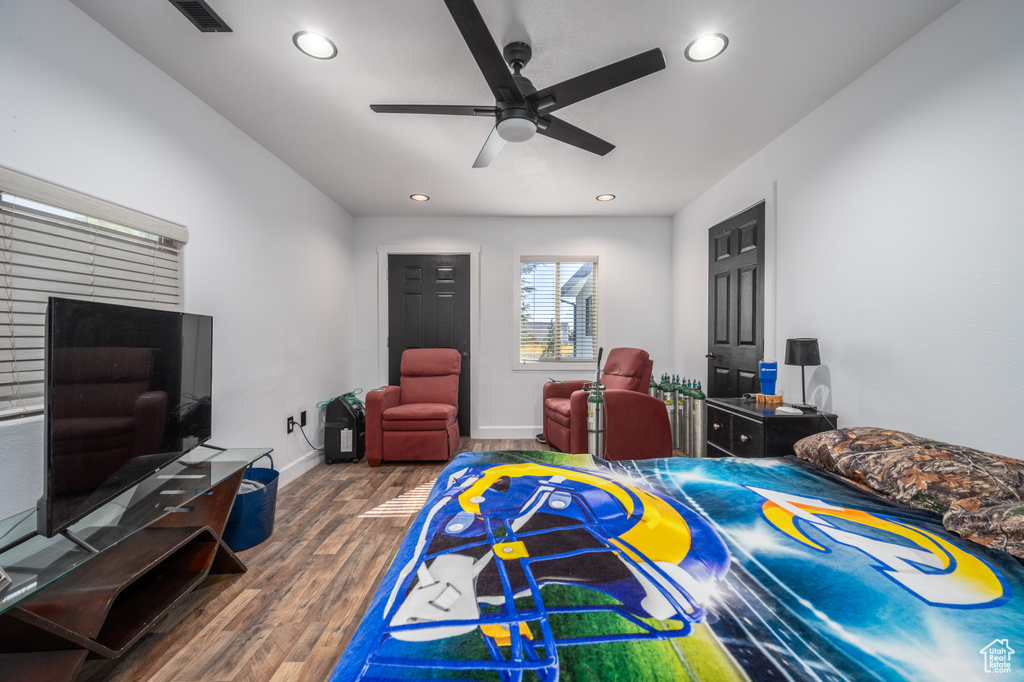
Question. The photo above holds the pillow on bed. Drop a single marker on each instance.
(999, 526)
(915, 471)
(823, 449)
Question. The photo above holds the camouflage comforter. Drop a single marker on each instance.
(980, 495)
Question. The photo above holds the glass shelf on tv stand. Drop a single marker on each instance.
(38, 561)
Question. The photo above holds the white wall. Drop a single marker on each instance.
(898, 220)
(268, 254)
(900, 208)
(632, 281)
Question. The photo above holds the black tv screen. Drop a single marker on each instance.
(127, 391)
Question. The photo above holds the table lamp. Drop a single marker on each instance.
(802, 352)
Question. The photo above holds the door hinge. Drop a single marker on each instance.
(387, 343)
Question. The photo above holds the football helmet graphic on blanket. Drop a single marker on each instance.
(496, 542)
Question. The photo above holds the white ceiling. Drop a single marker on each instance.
(676, 132)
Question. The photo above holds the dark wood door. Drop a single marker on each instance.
(428, 307)
(736, 304)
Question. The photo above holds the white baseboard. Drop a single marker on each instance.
(489, 432)
(299, 467)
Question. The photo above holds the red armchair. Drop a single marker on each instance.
(417, 420)
(636, 424)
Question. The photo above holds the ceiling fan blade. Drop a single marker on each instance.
(492, 146)
(568, 92)
(566, 132)
(446, 109)
(485, 50)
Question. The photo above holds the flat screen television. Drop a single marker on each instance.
(127, 391)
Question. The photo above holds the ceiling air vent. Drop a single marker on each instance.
(200, 14)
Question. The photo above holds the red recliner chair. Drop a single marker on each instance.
(636, 424)
(417, 420)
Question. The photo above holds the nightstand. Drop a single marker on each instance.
(742, 428)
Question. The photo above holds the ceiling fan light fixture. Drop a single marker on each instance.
(605, 197)
(516, 129)
(706, 47)
(315, 45)
(419, 197)
(518, 105)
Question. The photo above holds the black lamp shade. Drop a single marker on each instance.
(802, 352)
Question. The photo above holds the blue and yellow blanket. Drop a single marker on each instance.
(545, 566)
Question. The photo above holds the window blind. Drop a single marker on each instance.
(558, 313)
(48, 250)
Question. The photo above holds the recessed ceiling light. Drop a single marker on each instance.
(315, 45)
(419, 197)
(706, 47)
(605, 197)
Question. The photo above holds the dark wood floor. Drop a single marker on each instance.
(291, 615)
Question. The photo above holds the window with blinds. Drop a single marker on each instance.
(558, 309)
(48, 249)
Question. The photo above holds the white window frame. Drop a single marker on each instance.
(44, 226)
(520, 255)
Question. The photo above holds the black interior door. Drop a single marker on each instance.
(428, 307)
(736, 304)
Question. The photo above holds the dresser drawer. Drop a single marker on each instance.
(747, 439)
(719, 431)
(731, 434)
(740, 428)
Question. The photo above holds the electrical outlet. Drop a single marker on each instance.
(302, 418)
(291, 423)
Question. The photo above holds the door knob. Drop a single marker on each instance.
(744, 438)
(465, 354)
(710, 356)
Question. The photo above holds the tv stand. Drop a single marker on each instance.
(80, 542)
(150, 548)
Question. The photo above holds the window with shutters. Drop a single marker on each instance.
(558, 320)
(56, 242)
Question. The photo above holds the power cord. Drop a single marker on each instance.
(303, 432)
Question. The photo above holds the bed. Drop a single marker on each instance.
(548, 566)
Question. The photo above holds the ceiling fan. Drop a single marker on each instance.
(520, 110)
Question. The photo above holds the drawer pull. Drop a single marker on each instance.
(716, 426)
(744, 438)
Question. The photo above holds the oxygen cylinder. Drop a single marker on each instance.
(686, 407)
(652, 390)
(595, 413)
(595, 422)
(666, 396)
(664, 390)
(675, 398)
(700, 417)
(670, 406)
